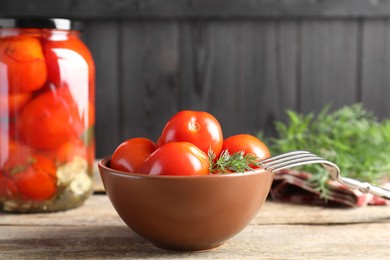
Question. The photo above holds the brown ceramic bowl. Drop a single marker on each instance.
(186, 213)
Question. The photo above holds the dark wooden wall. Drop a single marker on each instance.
(245, 61)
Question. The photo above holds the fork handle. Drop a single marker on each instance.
(334, 171)
(365, 187)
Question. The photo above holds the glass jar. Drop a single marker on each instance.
(46, 116)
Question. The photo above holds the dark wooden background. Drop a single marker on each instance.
(245, 61)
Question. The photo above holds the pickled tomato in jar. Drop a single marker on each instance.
(47, 115)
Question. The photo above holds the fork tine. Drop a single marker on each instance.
(294, 163)
(284, 155)
(290, 159)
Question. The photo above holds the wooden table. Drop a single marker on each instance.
(279, 231)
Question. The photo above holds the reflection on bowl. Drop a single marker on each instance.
(186, 213)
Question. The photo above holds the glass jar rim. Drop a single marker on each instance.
(40, 23)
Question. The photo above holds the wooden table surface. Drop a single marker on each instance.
(279, 231)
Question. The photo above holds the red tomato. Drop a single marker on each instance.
(11, 104)
(130, 155)
(36, 178)
(50, 120)
(246, 143)
(63, 56)
(158, 143)
(197, 127)
(177, 158)
(24, 62)
(12, 153)
(66, 152)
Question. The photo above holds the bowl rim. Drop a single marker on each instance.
(102, 163)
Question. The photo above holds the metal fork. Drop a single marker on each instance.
(297, 158)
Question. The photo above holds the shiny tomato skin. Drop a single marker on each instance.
(130, 155)
(197, 127)
(24, 61)
(177, 158)
(247, 143)
(50, 120)
(63, 56)
(35, 185)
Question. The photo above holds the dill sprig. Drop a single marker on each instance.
(351, 137)
(236, 162)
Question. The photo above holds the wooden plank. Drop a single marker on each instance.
(98, 211)
(102, 39)
(376, 67)
(299, 214)
(241, 72)
(369, 241)
(150, 77)
(329, 64)
(94, 231)
(97, 9)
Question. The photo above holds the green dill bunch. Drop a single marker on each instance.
(236, 162)
(351, 137)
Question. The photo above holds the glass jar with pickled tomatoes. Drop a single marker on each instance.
(46, 115)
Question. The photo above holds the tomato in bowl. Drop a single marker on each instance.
(192, 190)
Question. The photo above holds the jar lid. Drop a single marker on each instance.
(41, 23)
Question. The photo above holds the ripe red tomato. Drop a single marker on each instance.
(63, 55)
(24, 62)
(34, 176)
(12, 152)
(246, 143)
(11, 104)
(67, 151)
(177, 158)
(130, 155)
(50, 120)
(197, 127)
